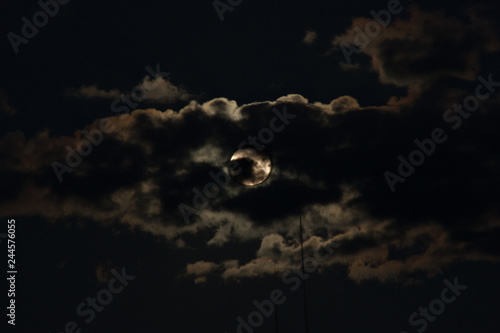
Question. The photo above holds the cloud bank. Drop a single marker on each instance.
(446, 212)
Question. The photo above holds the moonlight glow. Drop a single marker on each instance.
(255, 166)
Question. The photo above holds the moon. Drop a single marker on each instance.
(249, 167)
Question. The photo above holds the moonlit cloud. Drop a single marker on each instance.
(310, 37)
(164, 91)
(379, 166)
(156, 159)
(419, 50)
(344, 197)
(5, 107)
(92, 91)
(159, 90)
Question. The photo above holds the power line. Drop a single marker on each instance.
(304, 289)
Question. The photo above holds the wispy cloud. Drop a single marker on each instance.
(310, 37)
(158, 90)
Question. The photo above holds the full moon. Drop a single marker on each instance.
(249, 166)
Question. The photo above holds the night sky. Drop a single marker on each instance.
(378, 121)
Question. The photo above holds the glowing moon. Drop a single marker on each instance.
(249, 167)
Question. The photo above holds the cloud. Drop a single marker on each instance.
(156, 159)
(164, 91)
(6, 108)
(103, 271)
(92, 91)
(370, 251)
(344, 103)
(310, 37)
(200, 268)
(157, 90)
(420, 49)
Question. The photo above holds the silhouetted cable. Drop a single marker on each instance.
(276, 309)
(304, 289)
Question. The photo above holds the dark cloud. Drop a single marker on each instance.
(154, 160)
(425, 47)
